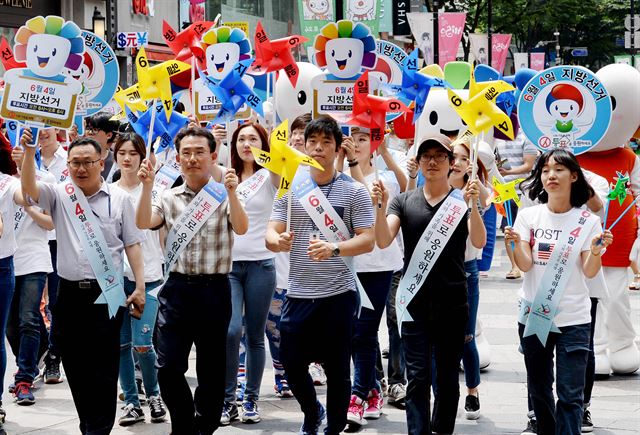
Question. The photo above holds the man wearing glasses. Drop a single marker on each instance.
(95, 223)
(100, 128)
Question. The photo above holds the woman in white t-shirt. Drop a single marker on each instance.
(253, 277)
(555, 288)
(136, 334)
(470, 359)
(375, 270)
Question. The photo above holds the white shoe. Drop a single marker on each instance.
(317, 374)
(484, 348)
(603, 368)
(625, 361)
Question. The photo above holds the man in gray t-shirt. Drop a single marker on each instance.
(322, 298)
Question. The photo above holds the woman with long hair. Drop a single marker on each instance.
(253, 276)
(136, 334)
(558, 246)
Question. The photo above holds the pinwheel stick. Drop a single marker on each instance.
(193, 81)
(153, 120)
(606, 213)
(289, 199)
(275, 120)
(375, 172)
(226, 127)
(474, 164)
(622, 214)
(507, 210)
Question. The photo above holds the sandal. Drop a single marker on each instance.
(513, 274)
(635, 284)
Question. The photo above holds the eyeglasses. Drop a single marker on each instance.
(88, 164)
(196, 154)
(438, 157)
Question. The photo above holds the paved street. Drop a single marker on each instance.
(615, 406)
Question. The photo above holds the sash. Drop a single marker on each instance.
(192, 218)
(328, 222)
(5, 182)
(164, 179)
(431, 244)
(252, 185)
(95, 247)
(554, 279)
(20, 214)
(112, 171)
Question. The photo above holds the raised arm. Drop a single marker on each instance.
(145, 217)
(237, 214)
(386, 227)
(28, 172)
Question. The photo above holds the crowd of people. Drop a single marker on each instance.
(219, 260)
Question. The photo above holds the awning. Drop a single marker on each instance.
(159, 53)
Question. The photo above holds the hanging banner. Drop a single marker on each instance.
(386, 16)
(537, 61)
(499, 50)
(451, 28)
(478, 43)
(520, 61)
(564, 107)
(363, 11)
(314, 15)
(421, 24)
(400, 22)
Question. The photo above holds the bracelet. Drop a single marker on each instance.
(352, 164)
(413, 178)
(355, 159)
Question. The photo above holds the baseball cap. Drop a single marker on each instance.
(431, 140)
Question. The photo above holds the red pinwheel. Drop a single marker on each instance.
(274, 55)
(8, 60)
(186, 44)
(370, 111)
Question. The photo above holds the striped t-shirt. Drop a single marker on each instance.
(514, 151)
(319, 279)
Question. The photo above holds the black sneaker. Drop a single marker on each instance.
(229, 413)
(472, 407)
(587, 425)
(3, 414)
(130, 415)
(532, 427)
(158, 413)
(311, 428)
(52, 373)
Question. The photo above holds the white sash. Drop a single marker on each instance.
(94, 247)
(5, 182)
(431, 244)
(112, 171)
(20, 214)
(327, 220)
(252, 185)
(554, 279)
(165, 177)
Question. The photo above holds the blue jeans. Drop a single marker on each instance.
(52, 290)
(252, 287)
(29, 287)
(572, 349)
(396, 366)
(365, 338)
(136, 335)
(470, 358)
(273, 329)
(7, 285)
(489, 217)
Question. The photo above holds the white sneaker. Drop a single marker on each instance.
(355, 413)
(397, 394)
(317, 374)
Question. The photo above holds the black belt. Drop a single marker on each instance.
(84, 284)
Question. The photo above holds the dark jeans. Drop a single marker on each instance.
(470, 358)
(590, 373)
(571, 348)
(330, 322)
(52, 291)
(443, 333)
(194, 309)
(489, 217)
(89, 342)
(365, 338)
(396, 364)
(7, 283)
(27, 297)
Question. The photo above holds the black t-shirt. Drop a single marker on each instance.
(446, 284)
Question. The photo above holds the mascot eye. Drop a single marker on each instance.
(463, 123)
(302, 97)
(53, 53)
(433, 117)
(212, 57)
(556, 107)
(227, 56)
(333, 53)
(35, 50)
(613, 103)
(350, 53)
(571, 107)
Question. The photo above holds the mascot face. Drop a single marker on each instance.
(293, 102)
(221, 58)
(47, 54)
(439, 117)
(344, 57)
(622, 82)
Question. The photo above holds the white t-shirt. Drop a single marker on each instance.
(389, 258)
(251, 245)
(542, 229)
(7, 209)
(57, 167)
(32, 254)
(282, 270)
(151, 249)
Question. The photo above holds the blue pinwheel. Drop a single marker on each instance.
(233, 92)
(416, 85)
(176, 122)
(506, 101)
(142, 123)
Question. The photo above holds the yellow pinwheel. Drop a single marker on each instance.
(480, 112)
(282, 159)
(504, 192)
(154, 82)
(129, 97)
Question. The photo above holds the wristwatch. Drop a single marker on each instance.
(335, 250)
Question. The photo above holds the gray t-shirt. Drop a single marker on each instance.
(319, 279)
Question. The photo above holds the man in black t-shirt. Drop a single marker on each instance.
(439, 309)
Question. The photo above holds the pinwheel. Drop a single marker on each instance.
(619, 192)
(7, 58)
(233, 92)
(502, 194)
(506, 101)
(283, 160)
(176, 122)
(130, 98)
(369, 111)
(274, 55)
